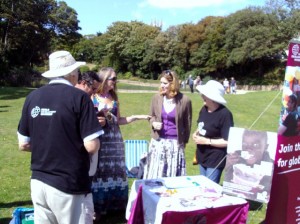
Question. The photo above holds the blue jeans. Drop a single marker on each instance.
(211, 173)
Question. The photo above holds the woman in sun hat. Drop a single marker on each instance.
(211, 136)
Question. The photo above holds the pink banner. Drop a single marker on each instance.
(284, 204)
(292, 77)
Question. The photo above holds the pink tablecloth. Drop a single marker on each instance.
(233, 214)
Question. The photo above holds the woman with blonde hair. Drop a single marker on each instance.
(171, 119)
(110, 184)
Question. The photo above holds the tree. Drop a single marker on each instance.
(64, 24)
(29, 28)
(135, 47)
(211, 55)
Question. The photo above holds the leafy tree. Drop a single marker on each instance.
(211, 55)
(64, 24)
(135, 47)
(29, 28)
(91, 49)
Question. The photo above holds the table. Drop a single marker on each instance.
(186, 199)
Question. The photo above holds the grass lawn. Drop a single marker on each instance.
(15, 165)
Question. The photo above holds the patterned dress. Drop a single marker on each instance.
(110, 184)
(166, 157)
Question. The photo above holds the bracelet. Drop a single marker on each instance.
(210, 141)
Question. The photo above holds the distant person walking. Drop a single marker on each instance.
(197, 82)
(190, 82)
(232, 86)
(226, 85)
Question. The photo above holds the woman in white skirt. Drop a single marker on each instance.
(171, 113)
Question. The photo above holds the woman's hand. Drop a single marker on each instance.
(200, 140)
(157, 125)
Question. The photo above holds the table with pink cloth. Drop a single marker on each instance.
(185, 199)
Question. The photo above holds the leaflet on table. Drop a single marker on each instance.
(191, 181)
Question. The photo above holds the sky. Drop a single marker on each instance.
(96, 15)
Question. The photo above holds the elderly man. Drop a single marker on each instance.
(59, 126)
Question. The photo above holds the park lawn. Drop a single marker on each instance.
(15, 165)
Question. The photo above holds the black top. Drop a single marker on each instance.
(57, 118)
(214, 125)
(291, 124)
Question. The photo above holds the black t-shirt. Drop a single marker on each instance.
(214, 125)
(291, 124)
(57, 118)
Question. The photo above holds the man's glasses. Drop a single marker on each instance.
(113, 79)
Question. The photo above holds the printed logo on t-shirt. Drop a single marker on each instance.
(35, 112)
(200, 128)
(43, 112)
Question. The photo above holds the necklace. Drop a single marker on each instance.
(168, 101)
(105, 95)
(99, 97)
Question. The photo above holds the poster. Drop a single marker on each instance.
(284, 204)
(250, 163)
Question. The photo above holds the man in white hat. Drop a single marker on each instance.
(59, 126)
(211, 137)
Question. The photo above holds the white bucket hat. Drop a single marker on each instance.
(61, 63)
(213, 90)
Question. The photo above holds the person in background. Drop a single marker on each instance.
(171, 113)
(289, 126)
(190, 82)
(226, 85)
(89, 82)
(197, 81)
(59, 126)
(232, 85)
(211, 136)
(110, 184)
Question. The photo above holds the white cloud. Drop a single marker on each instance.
(188, 3)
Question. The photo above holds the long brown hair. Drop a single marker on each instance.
(172, 78)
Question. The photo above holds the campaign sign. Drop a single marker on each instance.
(249, 164)
(284, 204)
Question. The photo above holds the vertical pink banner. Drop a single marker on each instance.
(284, 204)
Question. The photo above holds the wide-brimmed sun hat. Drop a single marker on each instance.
(61, 63)
(213, 90)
